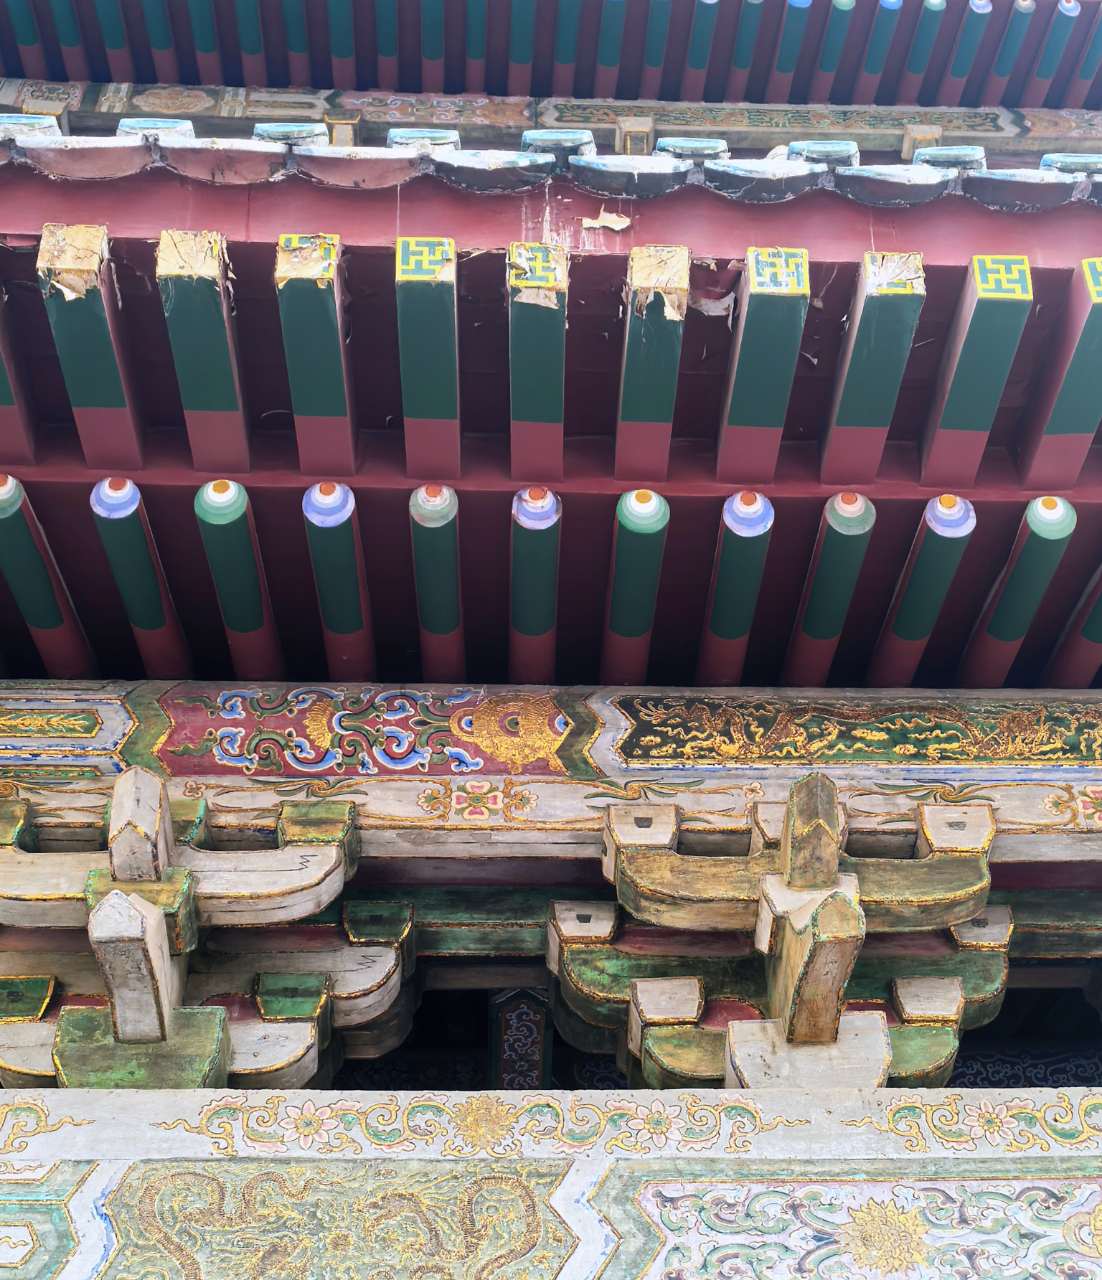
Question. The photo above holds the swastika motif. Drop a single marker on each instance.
(533, 265)
(424, 258)
(777, 270)
(895, 273)
(308, 257)
(1000, 276)
(1092, 273)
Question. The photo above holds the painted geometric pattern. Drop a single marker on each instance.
(533, 265)
(777, 270)
(1000, 276)
(312, 257)
(1092, 273)
(895, 273)
(423, 258)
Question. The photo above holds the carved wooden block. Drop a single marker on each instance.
(954, 828)
(929, 1000)
(811, 838)
(662, 1002)
(139, 838)
(130, 939)
(759, 1056)
(637, 826)
(577, 922)
(990, 931)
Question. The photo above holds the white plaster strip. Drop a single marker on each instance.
(91, 1226)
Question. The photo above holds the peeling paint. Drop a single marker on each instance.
(661, 269)
(307, 257)
(70, 258)
(896, 273)
(607, 221)
(194, 254)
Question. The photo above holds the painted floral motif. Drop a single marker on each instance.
(26, 1119)
(477, 799)
(308, 1124)
(1090, 802)
(1018, 1124)
(882, 1236)
(458, 1125)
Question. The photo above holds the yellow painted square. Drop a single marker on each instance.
(1003, 276)
(424, 258)
(533, 265)
(778, 270)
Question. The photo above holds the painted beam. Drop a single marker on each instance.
(522, 47)
(192, 278)
(386, 43)
(1043, 537)
(116, 41)
(1086, 70)
(1077, 658)
(943, 533)
(883, 316)
(917, 61)
(475, 40)
(77, 282)
(1062, 421)
(773, 296)
(309, 286)
(845, 532)
(744, 531)
(744, 48)
(568, 16)
(336, 554)
(534, 585)
(434, 531)
(250, 41)
(225, 519)
(610, 43)
(342, 42)
(17, 432)
(41, 595)
(831, 45)
(961, 62)
(877, 47)
(979, 351)
(70, 40)
(657, 299)
(1065, 19)
(127, 538)
(428, 356)
(297, 37)
(162, 42)
(654, 48)
(538, 289)
(432, 46)
(204, 38)
(28, 38)
(787, 53)
(1013, 41)
(638, 546)
(698, 52)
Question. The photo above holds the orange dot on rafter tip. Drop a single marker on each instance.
(948, 501)
(537, 493)
(220, 486)
(849, 499)
(117, 483)
(1050, 504)
(433, 490)
(748, 498)
(644, 495)
(327, 488)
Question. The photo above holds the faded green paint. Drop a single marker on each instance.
(87, 1055)
(1025, 586)
(84, 349)
(881, 349)
(196, 323)
(26, 572)
(700, 35)
(312, 346)
(337, 575)
(111, 24)
(522, 31)
(746, 34)
(250, 33)
(386, 28)
(651, 359)
(658, 27)
(66, 24)
(982, 975)
(834, 37)
(1013, 39)
(931, 576)
(968, 41)
(1077, 411)
(316, 822)
(7, 392)
(23, 997)
(880, 39)
(377, 922)
(537, 359)
(534, 579)
(836, 570)
(294, 25)
(290, 997)
(610, 34)
(157, 23)
(792, 36)
(342, 29)
(132, 567)
(173, 895)
(1059, 33)
(636, 569)
(476, 29)
(567, 17)
(204, 30)
(24, 24)
(984, 364)
(1053, 926)
(432, 29)
(925, 36)
(427, 349)
(436, 574)
(232, 559)
(922, 1056)
(766, 364)
(738, 581)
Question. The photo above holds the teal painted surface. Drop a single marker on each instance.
(1058, 36)
(24, 25)
(250, 33)
(432, 29)
(637, 567)
(522, 31)
(426, 348)
(834, 36)
(700, 35)
(1025, 586)
(566, 31)
(1092, 624)
(925, 34)
(476, 29)
(294, 24)
(841, 556)
(738, 581)
(610, 36)
(111, 23)
(1013, 40)
(157, 24)
(537, 358)
(880, 353)
(232, 560)
(880, 39)
(436, 574)
(200, 348)
(133, 569)
(26, 572)
(204, 31)
(337, 575)
(1092, 59)
(534, 579)
(1077, 409)
(651, 361)
(984, 365)
(767, 358)
(85, 351)
(658, 27)
(746, 34)
(312, 346)
(928, 585)
(971, 33)
(7, 395)
(792, 37)
(342, 29)
(386, 28)
(65, 22)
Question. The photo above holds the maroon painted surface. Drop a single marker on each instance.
(535, 451)
(953, 458)
(720, 661)
(387, 72)
(326, 446)
(987, 661)
(218, 440)
(624, 659)
(808, 661)
(531, 658)
(254, 68)
(852, 455)
(443, 657)
(895, 661)
(1055, 462)
(1075, 664)
(109, 439)
(163, 652)
(432, 449)
(344, 72)
(349, 656)
(642, 451)
(747, 455)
